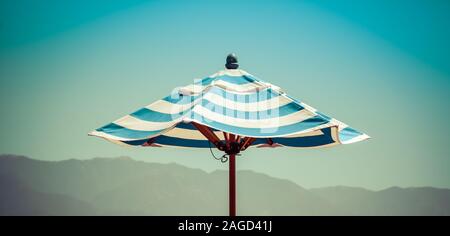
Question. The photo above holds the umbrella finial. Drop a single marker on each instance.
(232, 62)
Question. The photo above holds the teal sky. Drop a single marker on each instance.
(67, 67)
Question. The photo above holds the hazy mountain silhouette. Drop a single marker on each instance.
(391, 201)
(18, 198)
(122, 186)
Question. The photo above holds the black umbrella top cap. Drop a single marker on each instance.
(232, 62)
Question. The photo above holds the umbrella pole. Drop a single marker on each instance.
(232, 184)
(232, 147)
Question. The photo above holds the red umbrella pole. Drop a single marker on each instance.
(231, 148)
(232, 184)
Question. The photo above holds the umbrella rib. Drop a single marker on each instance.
(210, 135)
(151, 143)
(225, 135)
(247, 142)
(231, 138)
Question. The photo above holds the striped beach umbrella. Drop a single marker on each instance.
(230, 110)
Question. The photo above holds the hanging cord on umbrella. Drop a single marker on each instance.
(222, 159)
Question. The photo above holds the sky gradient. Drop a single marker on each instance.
(382, 67)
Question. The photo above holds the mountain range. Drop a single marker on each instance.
(123, 186)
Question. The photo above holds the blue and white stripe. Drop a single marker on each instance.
(231, 101)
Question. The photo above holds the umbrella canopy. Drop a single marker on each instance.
(232, 110)
(231, 101)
